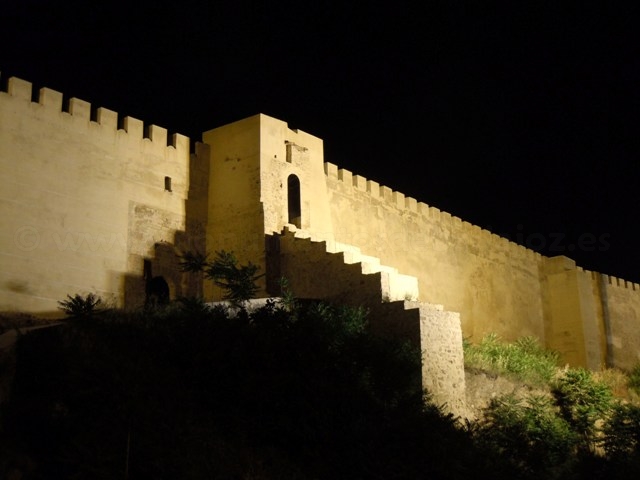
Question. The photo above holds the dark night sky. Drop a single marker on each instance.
(520, 117)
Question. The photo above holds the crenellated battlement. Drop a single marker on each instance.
(620, 283)
(52, 103)
(409, 205)
(611, 280)
(385, 194)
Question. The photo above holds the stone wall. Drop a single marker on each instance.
(492, 282)
(622, 300)
(86, 197)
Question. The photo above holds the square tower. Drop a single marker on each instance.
(263, 176)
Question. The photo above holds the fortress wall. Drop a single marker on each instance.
(572, 320)
(592, 318)
(622, 302)
(492, 282)
(593, 325)
(84, 196)
(235, 214)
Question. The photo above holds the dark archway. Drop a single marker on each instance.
(157, 292)
(293, 201)
(156, 288)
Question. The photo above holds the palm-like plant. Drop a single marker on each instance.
(238, 282)
(78, 306)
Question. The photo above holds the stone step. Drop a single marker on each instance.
(395, 286)
(398, 286)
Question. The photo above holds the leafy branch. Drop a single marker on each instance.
(237, 281)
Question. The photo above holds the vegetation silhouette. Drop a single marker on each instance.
(294, 389)
(239, 282)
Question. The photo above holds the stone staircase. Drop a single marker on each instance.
(323, 269)
(397, 286)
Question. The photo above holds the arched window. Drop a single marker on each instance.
(293, 200)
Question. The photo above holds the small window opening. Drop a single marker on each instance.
(167, 184)
(289, 158)
(293, 200)
(146, 268)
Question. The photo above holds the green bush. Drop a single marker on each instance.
(584, 404)
(528, 433)
(237, 281)
(621, 433)
(579, 430)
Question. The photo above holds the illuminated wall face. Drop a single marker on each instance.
(496, 285)
(84, 199)
(493, 283)
(88, 197)
(622, 321)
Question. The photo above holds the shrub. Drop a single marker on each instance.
(621, 433)
(584, 403)
(193, 306)
(238, 282)
(80, 306)
(528, 433)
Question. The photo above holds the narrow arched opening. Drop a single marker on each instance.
(156, 288)
(293, 201)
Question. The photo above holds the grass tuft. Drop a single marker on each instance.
(525, 359)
